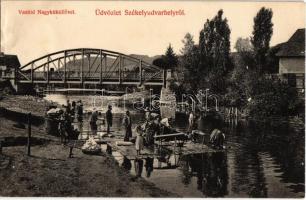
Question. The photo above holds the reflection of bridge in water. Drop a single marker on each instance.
(84, 90)
(86, 66)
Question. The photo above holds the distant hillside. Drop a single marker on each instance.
(129, 65)
(146, 58)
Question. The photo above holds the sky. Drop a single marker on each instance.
(32, 36)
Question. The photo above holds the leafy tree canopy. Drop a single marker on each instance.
(214, 49)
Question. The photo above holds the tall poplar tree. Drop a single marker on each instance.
(262, 33)
(214, 49)
(190, 62)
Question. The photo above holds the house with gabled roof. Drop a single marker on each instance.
(292, 60)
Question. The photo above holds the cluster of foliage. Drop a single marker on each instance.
(170, 61)
(214, 50)
(208, 62)
(243, 78)
(167, 61)
(251, 84)
(262, 33)
(271, 97)
(190, 62)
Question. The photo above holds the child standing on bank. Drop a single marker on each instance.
(139, 140)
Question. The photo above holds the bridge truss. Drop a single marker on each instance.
(90, 66)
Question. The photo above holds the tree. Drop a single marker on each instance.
(167, 61)
(243, 45)
(262, 33)
(245, 54)
(242, 73)
(188, 44)
(214, 49)
(171, 58)
(160, 62)
(271, 65)
(190, 63)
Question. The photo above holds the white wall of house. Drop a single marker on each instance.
(292, 65)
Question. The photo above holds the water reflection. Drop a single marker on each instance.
(126, 164)
(262, 160)
(163, 156)
(269, 157)
(149, 166)
(138, 165)
(210, 170)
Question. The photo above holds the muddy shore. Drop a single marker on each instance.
(49, 171)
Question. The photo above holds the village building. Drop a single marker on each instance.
(292, 61)
(8, 64)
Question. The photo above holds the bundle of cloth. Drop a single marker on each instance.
(91, 147)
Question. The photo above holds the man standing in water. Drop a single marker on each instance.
(68, 107)
(93, 122)
(191, 122)
(127, 123)
(109, 118)
(79, 111)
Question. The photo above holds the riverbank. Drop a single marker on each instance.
(25, 104)
(49, 171)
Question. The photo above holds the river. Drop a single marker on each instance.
(260, 161)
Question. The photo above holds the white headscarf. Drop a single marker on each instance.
(165, 122)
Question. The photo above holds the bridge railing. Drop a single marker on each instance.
(88, 75)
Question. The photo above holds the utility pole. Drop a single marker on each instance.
(29, 134)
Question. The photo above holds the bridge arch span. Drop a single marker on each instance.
(90, 66)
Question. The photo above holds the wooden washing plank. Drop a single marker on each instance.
(169, 135)
(130, 151)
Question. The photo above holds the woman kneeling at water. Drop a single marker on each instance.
(217, 138)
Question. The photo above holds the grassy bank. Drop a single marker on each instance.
(25, 104)
(49, 171)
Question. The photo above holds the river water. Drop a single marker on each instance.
(261, 160)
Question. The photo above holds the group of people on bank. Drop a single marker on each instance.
(153, 125)
(75, 109)
(63, 119)
(95, 117)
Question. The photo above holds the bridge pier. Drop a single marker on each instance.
(140, 72)
(165, 78)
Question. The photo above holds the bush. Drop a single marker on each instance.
(273, 98)
(178, 89)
